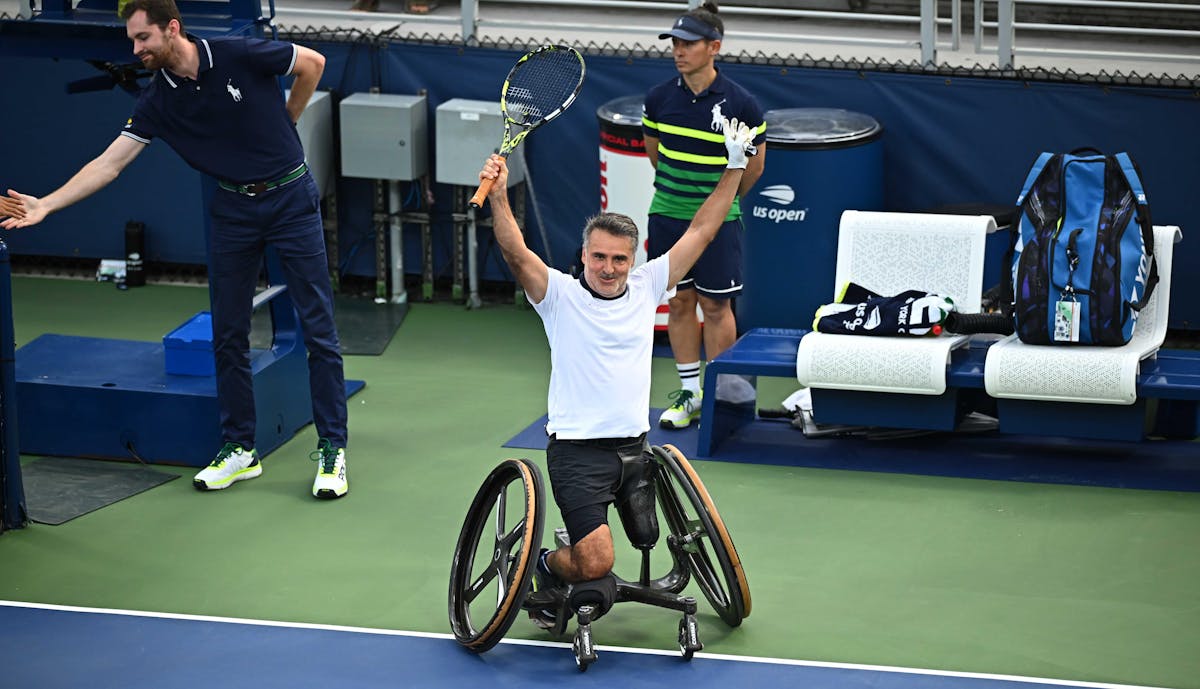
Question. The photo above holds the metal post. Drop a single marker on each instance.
(469, 11)
(929, 33)
(955, 24)
(1004, 34)
(379, 223)
(977, 17)
(398, 295)
(473, 301)
(457, 260)
(427, 259)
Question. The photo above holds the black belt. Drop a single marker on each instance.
(259, 187)
(605, 443)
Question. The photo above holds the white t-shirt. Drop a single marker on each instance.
(600, 353)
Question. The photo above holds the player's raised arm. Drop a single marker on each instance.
(528, 268)
(24, 210)
(708, 220)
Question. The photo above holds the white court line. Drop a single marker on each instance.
(559, 644)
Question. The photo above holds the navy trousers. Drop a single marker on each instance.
(288, 219)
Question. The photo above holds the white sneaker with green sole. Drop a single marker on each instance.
(331, 471)
(232, 464)
(685, 409)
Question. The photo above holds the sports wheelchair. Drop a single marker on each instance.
(497, 550)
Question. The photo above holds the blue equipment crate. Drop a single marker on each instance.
(188, 348)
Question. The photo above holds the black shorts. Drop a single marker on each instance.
(585, 476)
(718, 272)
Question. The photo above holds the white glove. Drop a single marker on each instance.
(737, 142)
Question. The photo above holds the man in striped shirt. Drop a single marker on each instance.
(681, 124)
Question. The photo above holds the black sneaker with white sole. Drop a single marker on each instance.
(544, 579)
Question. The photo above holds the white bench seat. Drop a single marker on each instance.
(1080, 373)
(889, 253)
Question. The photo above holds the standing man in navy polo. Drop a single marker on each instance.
(681, 124)
(217, 103)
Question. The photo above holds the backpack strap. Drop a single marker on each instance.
(1129, 169)
(1131, 176)
(1033, 175)
(1005, 296)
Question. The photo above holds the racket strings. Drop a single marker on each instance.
(542, 84)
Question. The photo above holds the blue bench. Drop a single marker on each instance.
(760, 352)
(1170, 382)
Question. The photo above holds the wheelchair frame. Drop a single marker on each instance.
(496, 554)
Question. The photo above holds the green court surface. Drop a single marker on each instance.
(1067, 582)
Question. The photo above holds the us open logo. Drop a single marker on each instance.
(782, 196)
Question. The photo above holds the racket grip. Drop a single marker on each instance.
(484, 187)
(481, 193)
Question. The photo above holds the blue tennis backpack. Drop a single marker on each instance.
(1083, 258)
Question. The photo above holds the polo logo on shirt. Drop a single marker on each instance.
(234, 91)
(718, 118)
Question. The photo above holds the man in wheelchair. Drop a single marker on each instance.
(600, 327)
(601, 332)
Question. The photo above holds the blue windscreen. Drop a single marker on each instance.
(12, 496)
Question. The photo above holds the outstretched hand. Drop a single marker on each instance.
(19, 210)
(737, 143)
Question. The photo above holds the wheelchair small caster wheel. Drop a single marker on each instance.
(689, 637)
(585, 652)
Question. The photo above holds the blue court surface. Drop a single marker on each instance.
(48, 647)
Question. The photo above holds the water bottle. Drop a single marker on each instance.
(135, 250)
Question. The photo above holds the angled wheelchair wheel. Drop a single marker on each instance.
(496, 553)
(701, 535)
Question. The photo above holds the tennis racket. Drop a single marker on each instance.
(539, 88)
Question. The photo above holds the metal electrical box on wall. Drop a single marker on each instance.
(384, 136)
(468, 131)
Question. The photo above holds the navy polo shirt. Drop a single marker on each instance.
(691, 145)
(230, 122)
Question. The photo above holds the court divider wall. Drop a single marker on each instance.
(948, 140)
